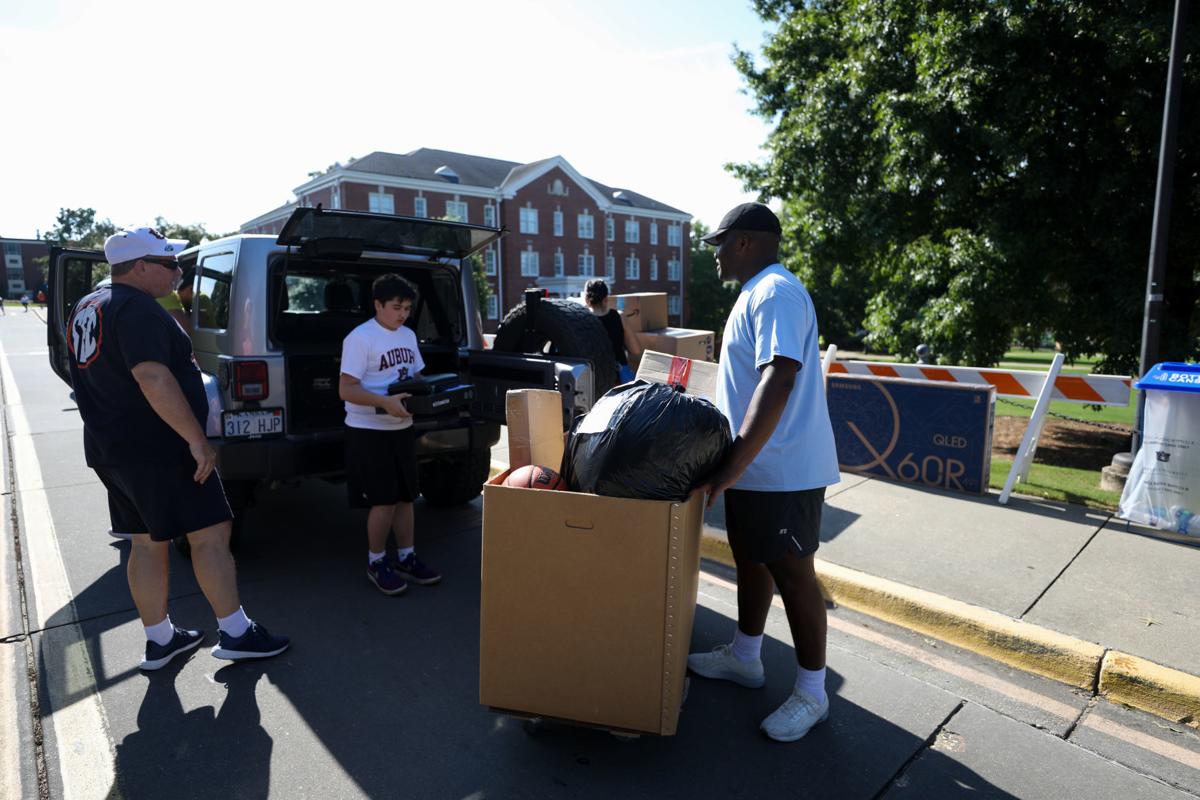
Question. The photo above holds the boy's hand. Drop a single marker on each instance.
(394, 405)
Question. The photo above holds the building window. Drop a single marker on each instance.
(610, 229)
(489, 215)
(633, 231)
(335, 199)
(456, 210)
(674, 236)
(587, 226)
(529, 221)
(653, 233)
(12, 249)
(674, 273)
(419, 207)
(587, 265)
(674, 305)
(558, 226)
(558, 264)
(381, 203)
(529, 264)
(610, 267)
(558, 188)
(489, 261)
(653, 268)
(633, 269)
(493, 307)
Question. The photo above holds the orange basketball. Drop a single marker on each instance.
(535, 477)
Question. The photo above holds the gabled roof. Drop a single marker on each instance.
(490, 173)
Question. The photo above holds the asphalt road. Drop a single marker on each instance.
(378, 696)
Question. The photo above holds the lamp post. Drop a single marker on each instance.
(1155, 278)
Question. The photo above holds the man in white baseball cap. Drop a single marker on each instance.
(144, 406)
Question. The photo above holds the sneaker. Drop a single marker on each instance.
(256, 642)
(384, 577)
(157, 655)
(124, 537)
(796, 717)
(415, 570)
(723, 665)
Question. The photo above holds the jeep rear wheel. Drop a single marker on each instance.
(571, 331)
(455, 480)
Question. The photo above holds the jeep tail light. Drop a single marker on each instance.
(250, 380)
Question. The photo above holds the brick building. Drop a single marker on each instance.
(21, 273)
(563, 228)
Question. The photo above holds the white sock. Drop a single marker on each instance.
(811, 681)
(235, 624)
(405, 552)
(373, 557)
(746, 648)
(162, 632)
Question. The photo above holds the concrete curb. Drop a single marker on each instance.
(1122, 678)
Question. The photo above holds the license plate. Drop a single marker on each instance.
(252, 424)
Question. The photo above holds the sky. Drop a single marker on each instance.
(214, 112)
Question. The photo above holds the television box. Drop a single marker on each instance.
(686, 342)
(642, 311)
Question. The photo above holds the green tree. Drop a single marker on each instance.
(194, 234)
(483, 289)
(709, 299)
(965, 173)
(78, 227)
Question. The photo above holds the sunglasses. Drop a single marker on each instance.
(167, 263)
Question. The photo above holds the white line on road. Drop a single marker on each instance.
(85, 749)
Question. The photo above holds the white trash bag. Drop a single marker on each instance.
(1163, 487)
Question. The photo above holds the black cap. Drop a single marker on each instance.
(746, 217)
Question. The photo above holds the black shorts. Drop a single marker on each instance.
(764, 526)
(162, 499)
(381, 467)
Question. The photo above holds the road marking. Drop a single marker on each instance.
(1011, 690)
(10, 761)
(85, 750)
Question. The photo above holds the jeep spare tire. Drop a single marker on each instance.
(570, 329)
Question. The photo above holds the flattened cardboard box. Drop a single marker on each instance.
(562, 634)
(642, 311)
(535, 427)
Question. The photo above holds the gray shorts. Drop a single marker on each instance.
(764, 526)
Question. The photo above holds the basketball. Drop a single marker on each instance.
(534, 477)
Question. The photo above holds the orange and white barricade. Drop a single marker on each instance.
(1101, 390)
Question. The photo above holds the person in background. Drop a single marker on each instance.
(624, 342)
(25, 302)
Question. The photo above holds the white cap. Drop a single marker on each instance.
(131, 244)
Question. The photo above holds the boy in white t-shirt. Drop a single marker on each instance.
(381, 465)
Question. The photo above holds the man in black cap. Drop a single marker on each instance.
(771, 387)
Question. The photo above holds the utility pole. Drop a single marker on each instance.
(1155, 278)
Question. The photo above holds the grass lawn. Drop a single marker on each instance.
(1065, 484)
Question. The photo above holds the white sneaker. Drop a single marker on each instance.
(124, 537)
(796, 717)
(723, 665)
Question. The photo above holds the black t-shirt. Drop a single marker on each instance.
(111, 331)
(616, 334)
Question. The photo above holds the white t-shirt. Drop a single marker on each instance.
(378, 358)
(774, 316)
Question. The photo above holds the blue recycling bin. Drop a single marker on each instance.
(1163, 487)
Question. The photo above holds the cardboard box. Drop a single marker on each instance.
(697, 377)
(642, 311)
(686, 342)
(535, 427)
(564, 635)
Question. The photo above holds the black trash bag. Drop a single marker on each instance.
(646, 441)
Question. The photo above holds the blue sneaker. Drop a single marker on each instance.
(256, 642)
(382, 573)
(415, 570)
(157, 655)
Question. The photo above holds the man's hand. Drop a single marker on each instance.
(394, 405)
(726, 476)
(206, 459)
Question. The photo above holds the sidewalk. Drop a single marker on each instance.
(1055, 589)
